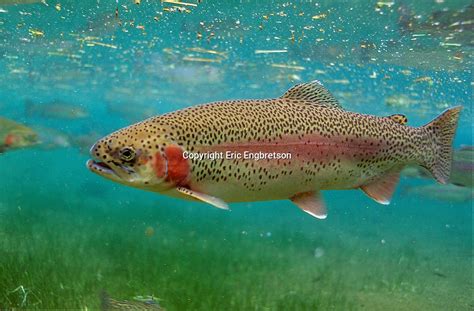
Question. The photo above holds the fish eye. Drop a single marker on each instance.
(127, 154)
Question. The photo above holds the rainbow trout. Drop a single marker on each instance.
(14, 135)
(290, 147)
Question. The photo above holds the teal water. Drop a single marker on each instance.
(67, 234)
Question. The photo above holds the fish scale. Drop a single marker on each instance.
(329, 148)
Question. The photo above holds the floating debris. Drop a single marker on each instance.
(338, 81)
(149, 231)
(270, 51)
(319, 252)
(320, 16)
(450, 44)
(36, 33)
(65, 55)
(179, 2)
(180, 9)
(201, 59)
(285, 66)
(381, 4)
(95, 43)
(427, 79)
(201, 50)
(219, 56)
(400, 100)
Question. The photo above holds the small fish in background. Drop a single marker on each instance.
(462, 168)
(55, 110)
(310, 143)
(51, 138)
(83, 142)
(14, 135)
(446, 193)
(138, 303)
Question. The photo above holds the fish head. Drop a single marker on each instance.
(20, 137)
(133, 157)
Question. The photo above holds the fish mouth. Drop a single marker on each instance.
(114, 171)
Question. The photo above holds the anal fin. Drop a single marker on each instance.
(311, 203)
(382, 189)
(216, 202)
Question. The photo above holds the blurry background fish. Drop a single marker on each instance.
(14, 135)
(55, 109)
(137, 303)
(446, 193)
(462, 168)
(51, 138)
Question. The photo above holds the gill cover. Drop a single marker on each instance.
(172, 166)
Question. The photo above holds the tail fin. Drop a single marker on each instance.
(442, 130)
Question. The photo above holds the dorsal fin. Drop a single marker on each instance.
(313, 92)
(398, 118)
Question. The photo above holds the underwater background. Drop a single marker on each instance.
(67, 235)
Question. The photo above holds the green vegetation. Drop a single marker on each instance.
(59, 252)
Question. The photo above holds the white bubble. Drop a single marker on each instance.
(318, 252)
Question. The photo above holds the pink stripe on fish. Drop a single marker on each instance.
(307, 147)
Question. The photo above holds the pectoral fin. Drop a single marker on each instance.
(382, 189)
(311, 203)
(216, 202)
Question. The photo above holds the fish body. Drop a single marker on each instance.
(14, 135)
(304, 140)
(462, 170)
(55, 110)
(448, 193)
(137, 304)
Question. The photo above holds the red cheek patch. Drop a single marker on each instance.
(159, 165)
(10, 139)
(178, 166)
